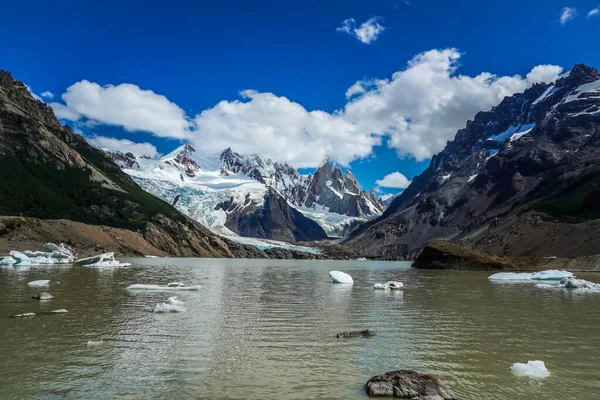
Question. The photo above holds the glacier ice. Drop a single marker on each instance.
(174, 301)
(40, 283)
(52, 254)
(572, 283)
(533, 369)
(550, 275)
(340, 277)
(163, 288)
(94, 343)
(390, 285)
(171, 305)
(101, 260)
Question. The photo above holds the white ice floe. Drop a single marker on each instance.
(550, 275)
(92, 343)
(533, 369)
(171, 305)
(59, 311)
(105, 260)
(572, 283)
(164, 288)
(340, 277)
(29, 314)
(52, 254)
(390, 285)
(40, 283)
(150, 256)
(361, 259)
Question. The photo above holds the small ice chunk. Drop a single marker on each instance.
(533, 369)
(175, 284)
(92, 343)
(43, 296)
(8, 261)
(361, 259)
(150, 256)
(173, 300)
(29, 314)
(59, 311)
(40, 283)
(168, 308)
(390, 285)
(164, 288)
(106, 260)
(52, 254)
(340, 277)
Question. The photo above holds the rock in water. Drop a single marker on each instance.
(43, 296)
(340, 277)
(365, 333)
(406, 384)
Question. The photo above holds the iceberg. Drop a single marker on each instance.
(101, 260)
(340, 277)
(40, 283)
(164, 288)
(171, 305)
(52, 254)
(571, 282)
(390, 285)
(550, 275)
(533, 369)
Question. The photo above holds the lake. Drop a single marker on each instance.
(265, 329)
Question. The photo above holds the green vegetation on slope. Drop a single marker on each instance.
(580, 199)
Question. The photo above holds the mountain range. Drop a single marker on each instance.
(235, 194)
(520, 179)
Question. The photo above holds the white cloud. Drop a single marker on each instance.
(567, 14)
(278, 128)
(416, 112)
(124, 105)
(367, 32)
(593, 12)
(423, 106)
(394, 180)
(48, 95)
(123, 145)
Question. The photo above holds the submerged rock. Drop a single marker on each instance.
(407, 384)
(43, 296)
(365, 333)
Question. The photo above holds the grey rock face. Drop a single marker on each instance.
(406, 384)
(529, 153)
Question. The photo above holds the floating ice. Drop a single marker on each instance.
(52, 254)
(163, 288)
(101, 260)
(40, 283)
(43, 296)
(150, 256)
(175, 284)
(29, 314)
(361, 259)
(573, 283)
(59, 311)
(173, 300)
(550, 275)
(533, 369)
(92, 343)
(390, 285)
(340, 277)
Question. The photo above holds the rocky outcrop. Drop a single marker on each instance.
(444, 255)
(536, 153)
(406, 384)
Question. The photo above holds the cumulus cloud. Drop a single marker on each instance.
(123, 145)
(125, 105)
(394, 180)
(48, 95)
(367, 32)
(422, 107)
(415, 111)
(567, 14)
(593, 12)
(278, 128)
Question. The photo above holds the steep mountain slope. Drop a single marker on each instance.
(46, 171)
(514, 179)
(236, 194)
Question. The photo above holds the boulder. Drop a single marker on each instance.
(407, 384)
(43, 296)
(365, 333)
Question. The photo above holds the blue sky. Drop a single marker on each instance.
(294, 58)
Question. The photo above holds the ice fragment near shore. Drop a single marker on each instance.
(550, 275)
(102, 260)
(171, 305)
(390, 285)
(52, 254)
(340, 277)
(533, 369)
(40, 283)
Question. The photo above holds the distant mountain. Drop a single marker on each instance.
(254, 196)
(48, 172)
(520, 179)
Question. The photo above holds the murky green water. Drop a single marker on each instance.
(266, 330)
